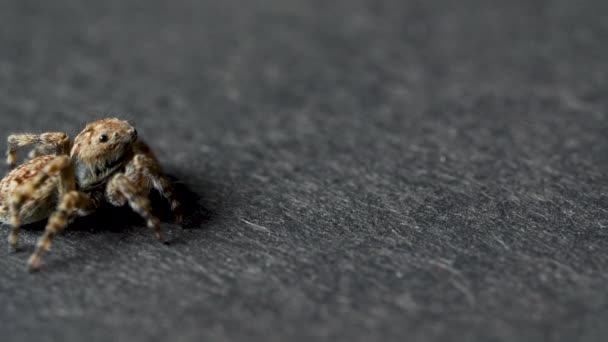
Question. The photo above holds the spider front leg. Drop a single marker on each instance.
(57, 141)
(163, 185)
(34, 190)
(72, 203)
(121, 190)
(148, 166)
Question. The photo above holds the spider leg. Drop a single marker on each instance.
(121, 190)
(39, 151)
(149, 166)
(72, 203)
(57, 141)
(163, 185)
(30, 189)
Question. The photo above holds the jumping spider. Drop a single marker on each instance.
(65, 179)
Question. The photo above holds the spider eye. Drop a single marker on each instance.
(103, 138)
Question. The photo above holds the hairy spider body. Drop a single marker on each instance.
(105, 163)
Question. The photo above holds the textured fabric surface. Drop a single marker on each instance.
(353, 170)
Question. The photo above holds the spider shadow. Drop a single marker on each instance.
(197, 210)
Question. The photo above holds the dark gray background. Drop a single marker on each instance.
(352, 169)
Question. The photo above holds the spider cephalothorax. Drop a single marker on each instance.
(100, 149)
(105, 162)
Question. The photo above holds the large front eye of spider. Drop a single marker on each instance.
(103, 138)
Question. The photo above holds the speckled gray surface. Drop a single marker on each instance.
(354, 170)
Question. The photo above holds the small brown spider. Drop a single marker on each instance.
(64, 180)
